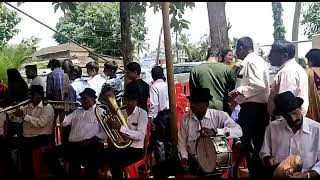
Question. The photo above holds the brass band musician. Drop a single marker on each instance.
(137, 117)
(37, 126)
(293, 134)
(85, 136)
(202, 121)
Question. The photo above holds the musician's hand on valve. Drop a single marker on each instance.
(19, 113)
(208, 132)
(115, 125)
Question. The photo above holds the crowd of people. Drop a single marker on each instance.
(267, 120)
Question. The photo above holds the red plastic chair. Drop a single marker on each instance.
(132, 170)
(180, 113)
(37, 160)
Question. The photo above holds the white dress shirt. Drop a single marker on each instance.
(38, 120)
(159, 99)
(280, 142)
(291, 77)
(213, 119)
(137, 126)
(79, 85)
(254, 84)
(84, 125)
(96, 84)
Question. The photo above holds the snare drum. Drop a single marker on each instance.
(213, 154)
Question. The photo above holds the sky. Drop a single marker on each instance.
(253, 19)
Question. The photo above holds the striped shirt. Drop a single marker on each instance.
(213, 119)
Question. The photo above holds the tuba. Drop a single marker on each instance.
(111, 112)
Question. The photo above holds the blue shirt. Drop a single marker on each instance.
(55, 82)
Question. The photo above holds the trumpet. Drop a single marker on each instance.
(63, 105)
(12, 109)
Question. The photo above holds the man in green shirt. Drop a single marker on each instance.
(215, 76)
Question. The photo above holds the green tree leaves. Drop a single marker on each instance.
(8, 22)
(311, 18)
(279, 29)
(97, 25)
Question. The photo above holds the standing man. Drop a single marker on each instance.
(110, 69)
(55, 81)
(67, 67)
(78, 83)
(293, 134)
(215, 76)
(133, 71)
(37, 126)
(252, 95)
(291, 76)
(32, 74)
(96, 82)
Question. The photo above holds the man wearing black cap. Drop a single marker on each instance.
(202, 121)
(216, 76)
(37, 127)
(85, 135)
(293, 134)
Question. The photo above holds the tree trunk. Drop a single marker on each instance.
(126, 43)
(218, 24)
(158, 50)
(295, 27)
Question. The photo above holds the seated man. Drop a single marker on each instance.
(292, 135)
(37, 126)
(85, 135)
(118, 159)
(213, 122)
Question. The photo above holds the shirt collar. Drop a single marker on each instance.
(206, 116)
(159, 80)
(40, 105)
(305, 127)
(287, 62)
(135, 111)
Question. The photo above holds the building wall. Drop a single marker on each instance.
(79, 53)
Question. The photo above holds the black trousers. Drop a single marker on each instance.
(28, 145)
(253, 119)
(119, 159)
(83, 154)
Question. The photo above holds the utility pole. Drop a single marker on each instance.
(170, 78)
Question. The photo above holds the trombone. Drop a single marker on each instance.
(12, 109)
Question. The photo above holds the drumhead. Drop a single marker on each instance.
(206, 154)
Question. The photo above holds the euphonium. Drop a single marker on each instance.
(111, 112)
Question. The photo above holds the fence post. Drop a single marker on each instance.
(316, 41)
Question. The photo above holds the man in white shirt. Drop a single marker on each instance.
(118, 159)
(96, 82)
(78, 83)
(252, 92)
(293, 134)
(32, 74)
(159, 99)
(85, 135)
(291, 76)
(37, 126)
(202, 121)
